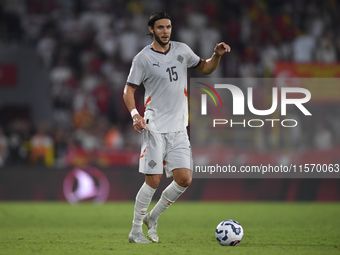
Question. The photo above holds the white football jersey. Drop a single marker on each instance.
(164, 76)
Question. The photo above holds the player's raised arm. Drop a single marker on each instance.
(129, 99)
(209, 65)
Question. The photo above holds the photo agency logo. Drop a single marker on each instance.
(238, 105)
(204, 97)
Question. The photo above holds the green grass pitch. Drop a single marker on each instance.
(185, 228)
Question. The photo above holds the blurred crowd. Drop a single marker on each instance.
(88, 45)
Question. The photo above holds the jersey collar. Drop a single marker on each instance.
(160, 52)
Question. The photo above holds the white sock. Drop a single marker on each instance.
(143, 199)
(169, 196)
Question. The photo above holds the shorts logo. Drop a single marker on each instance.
(152, 164)
(180, 58)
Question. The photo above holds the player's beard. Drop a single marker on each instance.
(158, 39)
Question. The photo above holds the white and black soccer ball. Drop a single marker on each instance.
(229, 233)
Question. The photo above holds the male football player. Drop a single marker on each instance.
(162, 68)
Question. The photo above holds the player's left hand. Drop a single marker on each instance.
(221, 48)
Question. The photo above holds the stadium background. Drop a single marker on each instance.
(64, 63)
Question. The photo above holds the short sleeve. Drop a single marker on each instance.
(136, 75)
(193, 60)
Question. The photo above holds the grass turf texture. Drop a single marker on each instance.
(186, 228)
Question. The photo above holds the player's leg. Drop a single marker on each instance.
(151, 165)
(178, 162)
(143, 200)
(182, 179)
(153, 180)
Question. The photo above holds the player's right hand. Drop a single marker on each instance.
(138, 123)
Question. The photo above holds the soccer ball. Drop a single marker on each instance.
(229, 233)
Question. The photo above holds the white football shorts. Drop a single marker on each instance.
(166, 151)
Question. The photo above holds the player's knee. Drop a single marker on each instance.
(153, 180)
(184, 182)
(188, 182)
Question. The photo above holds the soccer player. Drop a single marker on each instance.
(162, 68)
